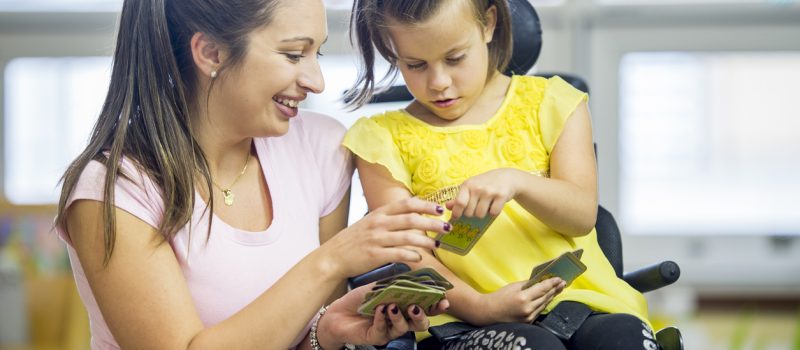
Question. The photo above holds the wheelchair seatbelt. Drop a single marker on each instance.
(565, 319)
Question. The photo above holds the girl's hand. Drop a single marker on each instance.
(514, 304)
(486, 193)
(343, 324)
(384, 235)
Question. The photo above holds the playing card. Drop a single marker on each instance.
(567, 266)
(464, 234)
(465, 230)
(424, 287)
(403, 297)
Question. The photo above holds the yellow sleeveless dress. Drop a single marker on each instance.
(520, 135)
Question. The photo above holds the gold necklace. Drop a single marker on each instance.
(226, 192)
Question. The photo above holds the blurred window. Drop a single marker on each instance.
(51, 105)
(709, 143)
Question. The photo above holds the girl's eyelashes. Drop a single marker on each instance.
(453, 60)
(449, 60)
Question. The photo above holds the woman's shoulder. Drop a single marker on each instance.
(130, 173)
(316, 124)
(134, 190)
(318, 119)
(311, 134)
(308, 127)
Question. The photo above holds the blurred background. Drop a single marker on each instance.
(696, 120)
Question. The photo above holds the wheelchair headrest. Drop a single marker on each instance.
(527, 37)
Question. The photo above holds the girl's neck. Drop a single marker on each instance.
(484, 107)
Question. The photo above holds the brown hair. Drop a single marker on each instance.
(147, 112)
(368, 32)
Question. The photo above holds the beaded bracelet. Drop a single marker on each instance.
(312, 336)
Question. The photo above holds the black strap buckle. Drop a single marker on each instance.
(450, 331)
(565, 319)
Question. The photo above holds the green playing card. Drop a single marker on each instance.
(464, 234)
(567, 266)
(465, 230)
(403, 297)
(424, 287)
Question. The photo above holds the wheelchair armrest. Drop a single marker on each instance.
(377, 274)
(654, 276)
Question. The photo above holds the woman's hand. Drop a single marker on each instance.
(343, 324)
(486, 193)
(384, 235)
(514, 304)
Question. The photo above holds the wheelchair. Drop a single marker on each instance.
(527, 44)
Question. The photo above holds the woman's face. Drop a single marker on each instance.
(280, 68)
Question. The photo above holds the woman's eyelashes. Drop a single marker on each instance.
(293, 57)
(296, 57)
(415, 66)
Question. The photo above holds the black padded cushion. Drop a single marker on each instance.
(608, 236)
(527, 37)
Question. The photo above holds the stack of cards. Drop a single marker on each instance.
(567, 266)
(465, 230)
(424, 287)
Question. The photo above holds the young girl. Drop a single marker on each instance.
(194, 217)
(519, 147)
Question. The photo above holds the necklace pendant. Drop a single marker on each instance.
(228, 197)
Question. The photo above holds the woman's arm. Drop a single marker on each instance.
(341, 317)
(146, 303)
(330, 225)
(142, 291)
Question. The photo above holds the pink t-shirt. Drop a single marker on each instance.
(308, 173)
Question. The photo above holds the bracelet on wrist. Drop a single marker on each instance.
(312, 336)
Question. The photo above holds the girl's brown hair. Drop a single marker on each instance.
(368, 32)
(148, 109)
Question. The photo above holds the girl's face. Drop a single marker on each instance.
(280, 68)
(445, 59)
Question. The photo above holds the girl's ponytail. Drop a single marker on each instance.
(361, 37)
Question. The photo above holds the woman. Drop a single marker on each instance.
(195, 215)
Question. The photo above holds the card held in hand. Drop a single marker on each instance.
(424, 287)
(465, 230)
(567, 266)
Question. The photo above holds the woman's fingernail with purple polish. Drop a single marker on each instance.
(439, 209)
(447, 227)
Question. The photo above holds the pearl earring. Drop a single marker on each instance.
(213, 74)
